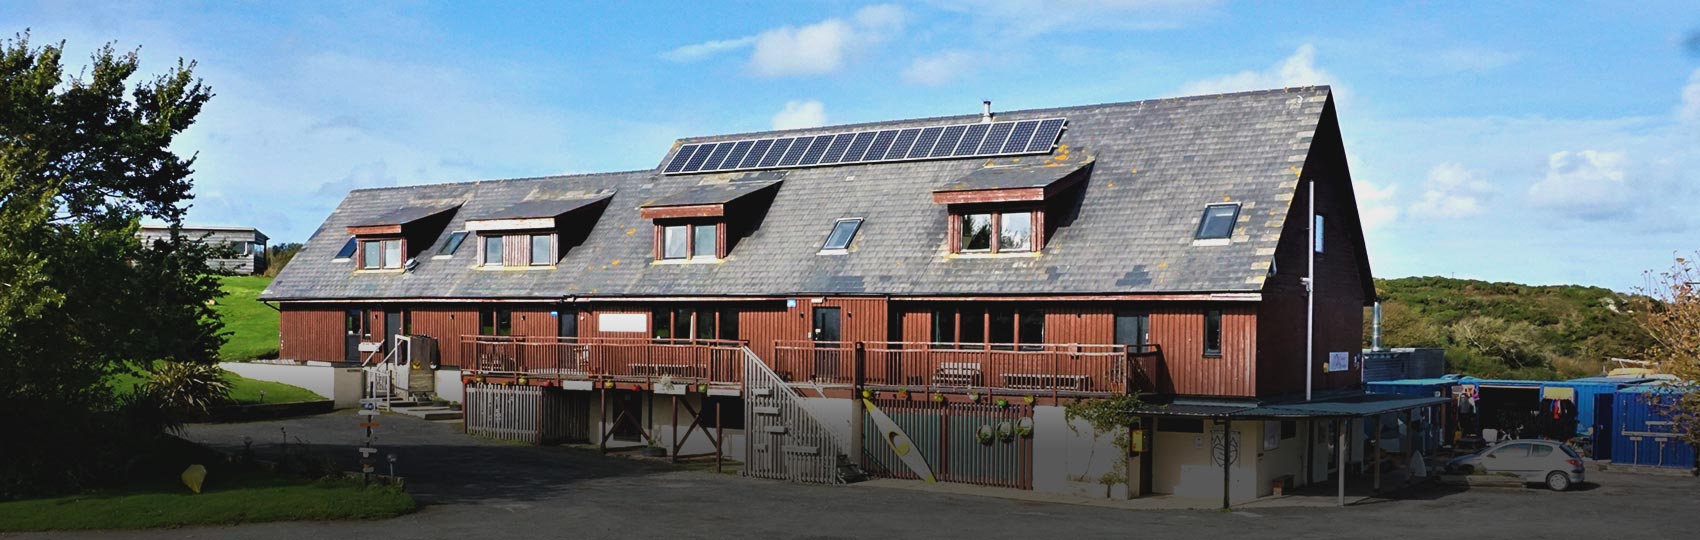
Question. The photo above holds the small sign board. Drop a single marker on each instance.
(1339, 361)
(367, 451)
(366, 412)
(670, 388)
(368, 424)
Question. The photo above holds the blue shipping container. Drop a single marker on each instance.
(1643, 434)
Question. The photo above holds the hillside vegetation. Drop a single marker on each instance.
(1508, 330)
(252, 326)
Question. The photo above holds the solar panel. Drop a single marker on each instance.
(859, 146)
(835, 152)
(971, 140)
(756, 152)
(796, 152)
(1046, 137)
(881, 144)
(924, 144)
(989, 139)
(778, 151)
(947, 141)
(900, 147)
(1019, 136)
(737, 155)
(696, 159)
(680, 157)
(816, 150)
(719, 154)
(995, 138)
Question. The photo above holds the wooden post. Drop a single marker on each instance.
(719, 439)
(674, 455)
(1226, 465)
(1340, 463)
(858, 408)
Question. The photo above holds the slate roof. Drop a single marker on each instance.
(405, 215)
(540, 209)
(715, 193)
(1156, 164)
(1015, 176)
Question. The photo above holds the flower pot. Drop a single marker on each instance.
(654, 451)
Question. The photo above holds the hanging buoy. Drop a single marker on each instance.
(194, 476)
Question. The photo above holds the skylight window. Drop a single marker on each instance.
(1218, 222)
(843, 231)
(453, 244)
(347, 250)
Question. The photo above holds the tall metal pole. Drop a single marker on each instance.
(1310, 293)
(1340, 462)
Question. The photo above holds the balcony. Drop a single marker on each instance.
(637, 360)
(1049, 370)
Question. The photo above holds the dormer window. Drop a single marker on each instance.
(380, 254)
(997, 232)
(701, 223)
(1217, 224)
(534, 233)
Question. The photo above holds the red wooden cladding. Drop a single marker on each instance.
(311, 332)
(1049, 370)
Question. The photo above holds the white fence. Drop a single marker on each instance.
(783, 441)
(528, 414)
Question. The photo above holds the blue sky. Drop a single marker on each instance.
(1517, 141)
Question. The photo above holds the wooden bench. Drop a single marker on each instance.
(957, 374)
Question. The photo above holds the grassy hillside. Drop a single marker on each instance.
(252, 325)
(1507, 329)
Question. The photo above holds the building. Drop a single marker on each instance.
(975, 272)
(243, 248)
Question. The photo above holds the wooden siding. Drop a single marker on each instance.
(311, 333)
(446, 323)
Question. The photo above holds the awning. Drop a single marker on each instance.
(1014, 183)
(1354, 405)
(394, 221)
(704, 200)
(533, 214)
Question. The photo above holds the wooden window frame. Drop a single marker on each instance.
(660, 247)
(1209, 314)
(667, 316)
(484, 250)
(553, 254)
(383, 254)
(1036, 223)
(984, 318)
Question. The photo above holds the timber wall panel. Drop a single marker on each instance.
(311, 333)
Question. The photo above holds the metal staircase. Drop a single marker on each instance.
(783, 440)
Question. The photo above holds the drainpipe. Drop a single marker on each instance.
(1310, 293)
(1375, 330)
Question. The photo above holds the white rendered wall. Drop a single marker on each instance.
(342, 385)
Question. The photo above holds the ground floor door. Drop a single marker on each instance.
(625, 410)
(827, 334)
(566, 321)
(354, 326)
(393, 327)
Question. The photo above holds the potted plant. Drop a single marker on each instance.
(654, 449)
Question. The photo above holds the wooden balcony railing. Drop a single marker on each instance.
(1047, 369)
(689, 361)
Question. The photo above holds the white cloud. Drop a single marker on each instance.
(799, 114)
(1299, 69)
(1690, 109)
(699, 51)
(823, 47)
(1375, 208)
(1588, 184)
(1451, 192)
(938, 69)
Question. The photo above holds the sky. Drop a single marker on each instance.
(1538, 142)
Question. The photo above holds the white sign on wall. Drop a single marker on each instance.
(1339, 361)
(622, 322)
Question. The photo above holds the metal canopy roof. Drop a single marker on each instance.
(1346, 406)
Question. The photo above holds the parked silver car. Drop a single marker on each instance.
(1537, 461)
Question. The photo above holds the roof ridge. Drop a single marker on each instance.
(502, 180)
(976, 116)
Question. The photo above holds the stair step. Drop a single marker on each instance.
(431, 413)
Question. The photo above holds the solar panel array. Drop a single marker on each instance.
(910, 144)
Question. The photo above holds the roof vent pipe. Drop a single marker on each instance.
(1375, 329)
(986, 112)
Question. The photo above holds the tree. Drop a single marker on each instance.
(279, 255)
(82, 160)
(1670, 313)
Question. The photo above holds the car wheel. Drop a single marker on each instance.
(1558, 481)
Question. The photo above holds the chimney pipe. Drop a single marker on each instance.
(986, 112)
(1375, 329)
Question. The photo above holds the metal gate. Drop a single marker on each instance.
(783, 441)
(967, 443)
(530, 414)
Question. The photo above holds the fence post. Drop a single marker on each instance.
(858, 408)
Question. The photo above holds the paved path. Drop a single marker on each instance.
(473, 489)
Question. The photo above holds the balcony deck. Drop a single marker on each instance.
(542, 360)
(1034, 370)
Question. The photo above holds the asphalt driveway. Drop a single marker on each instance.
(472, 488)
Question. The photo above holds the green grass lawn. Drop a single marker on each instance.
(244, 497)
(242, 389)
(252, 325)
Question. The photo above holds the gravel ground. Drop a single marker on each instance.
(472, 488)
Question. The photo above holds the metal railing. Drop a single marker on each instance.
(1035, 368)
(619, 359)
(784, 440)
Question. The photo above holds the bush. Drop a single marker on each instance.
(187, 386)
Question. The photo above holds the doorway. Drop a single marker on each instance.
(393, 326)
(827, 336)
(1133, 329)
(354, 326)
(566, 321)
